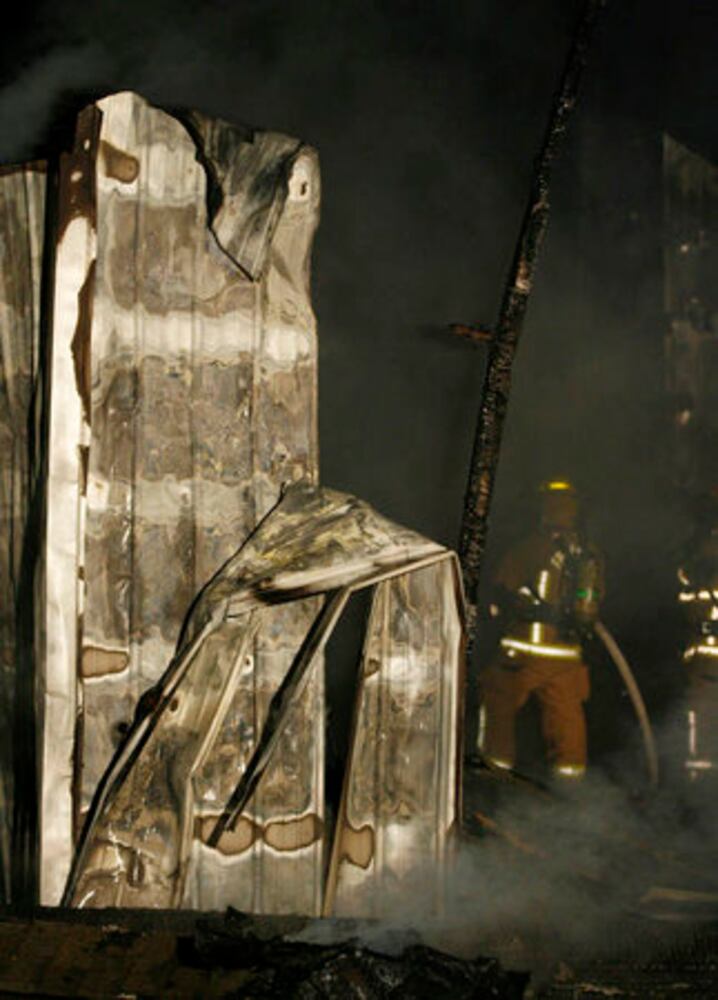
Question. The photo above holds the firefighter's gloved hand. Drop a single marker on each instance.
(507, 603)
(585, 633)
(585, 619)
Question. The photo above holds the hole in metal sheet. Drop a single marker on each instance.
(341, 665)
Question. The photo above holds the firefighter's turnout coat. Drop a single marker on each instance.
(548, 591)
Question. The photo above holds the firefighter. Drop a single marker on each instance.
(698, 597)
(548, 591)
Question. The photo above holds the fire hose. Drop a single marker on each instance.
(634, 693)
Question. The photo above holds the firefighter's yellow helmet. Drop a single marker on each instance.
(564, 486)
(559, 503)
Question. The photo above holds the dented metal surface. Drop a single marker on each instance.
(401, 793)
(177, 403)
(22, 222)
(183, 394)
(180, 767)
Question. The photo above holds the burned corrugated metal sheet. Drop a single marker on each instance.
(22, 222)
(179, 400)
(401, 795)
(181, 765)
(183, 394)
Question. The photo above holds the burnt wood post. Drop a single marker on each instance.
(504, 340)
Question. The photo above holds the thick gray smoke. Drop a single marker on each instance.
(566, 878)
(26, 106)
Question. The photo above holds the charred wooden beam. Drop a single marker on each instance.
(470, 331)
(503, 344)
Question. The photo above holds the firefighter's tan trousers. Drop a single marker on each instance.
(560, 686)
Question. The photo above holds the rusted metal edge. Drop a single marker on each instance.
(32, 166)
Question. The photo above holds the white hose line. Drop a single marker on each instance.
(639, 706)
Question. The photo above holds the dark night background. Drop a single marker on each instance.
(427, 117)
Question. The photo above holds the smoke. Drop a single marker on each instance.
(26, 105)
(567, 877)
(587, 879)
